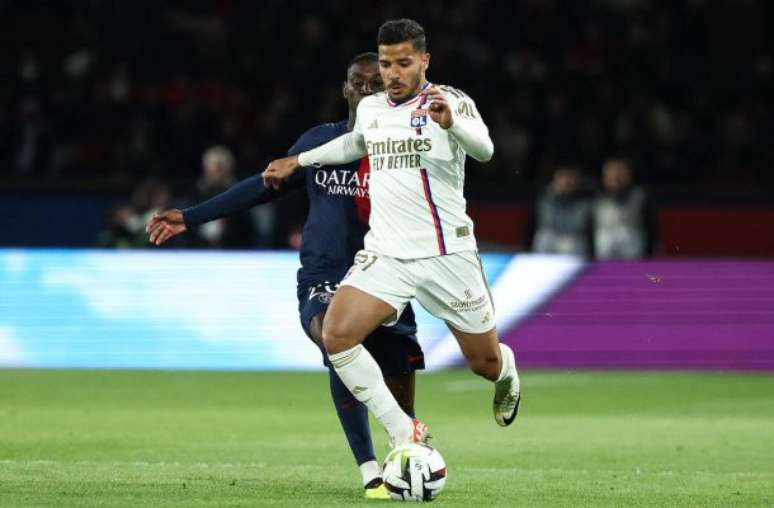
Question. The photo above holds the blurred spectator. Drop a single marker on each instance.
(234, 232)
(684, 88)
(126, 223)
(118, 234)
(624, 221)
(659, 80)
(562, 220)
(150, 196)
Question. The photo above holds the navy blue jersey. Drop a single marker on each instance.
(333, 232)
(335, 226)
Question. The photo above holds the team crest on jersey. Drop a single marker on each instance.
(418, 118)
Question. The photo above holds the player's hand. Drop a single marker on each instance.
(439, 108)
(164, 225)
(278, 171)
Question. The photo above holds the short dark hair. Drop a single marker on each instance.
(369, 57)
(396, 31)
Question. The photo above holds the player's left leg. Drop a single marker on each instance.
(495, 361)
(402, 387)
(454, 288)
(399, 355)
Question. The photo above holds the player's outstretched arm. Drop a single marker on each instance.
(239, 197)
(463, 122)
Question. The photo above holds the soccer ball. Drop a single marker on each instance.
(414, 472)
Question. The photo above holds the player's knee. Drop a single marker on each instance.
(486, 366)
(335, 339)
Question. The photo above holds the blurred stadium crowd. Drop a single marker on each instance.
(126, 96)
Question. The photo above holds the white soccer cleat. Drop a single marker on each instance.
(506, 400)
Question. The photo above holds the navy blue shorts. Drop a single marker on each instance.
(396, 353)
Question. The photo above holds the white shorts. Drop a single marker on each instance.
(451, 287)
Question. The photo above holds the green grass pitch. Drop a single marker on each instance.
(128, 438)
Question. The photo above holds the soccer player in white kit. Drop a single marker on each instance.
(421, 243)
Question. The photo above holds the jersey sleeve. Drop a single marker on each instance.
(342, 150)
(346, 148)
(358, 128)
(237, 198)
(469, 129)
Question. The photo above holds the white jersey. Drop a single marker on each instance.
(417, 173)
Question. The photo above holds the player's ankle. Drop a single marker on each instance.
(508, 364)
(370, 471)
(399, 426)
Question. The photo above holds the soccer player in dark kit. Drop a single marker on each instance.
(333, 233)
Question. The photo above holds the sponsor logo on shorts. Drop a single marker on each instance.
(469, 304)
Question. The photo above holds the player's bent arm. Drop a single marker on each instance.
(346, 148)
(469, 130)
(237, 198)
(474, 139)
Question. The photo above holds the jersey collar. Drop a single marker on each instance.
(409, 101)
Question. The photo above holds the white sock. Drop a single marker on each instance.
(370, 470)
(360, 373)
(508, 368)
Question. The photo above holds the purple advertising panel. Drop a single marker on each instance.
(658, 314)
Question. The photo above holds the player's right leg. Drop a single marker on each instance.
(353, 415)
(354, 313)
(399, 355)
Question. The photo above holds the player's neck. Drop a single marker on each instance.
(351, 120)
(422, 85)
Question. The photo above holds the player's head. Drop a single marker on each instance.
(403, 57)
(363, 79)
(566, 179)
(616, 174)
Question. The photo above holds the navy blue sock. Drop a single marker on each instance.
(354, 420)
